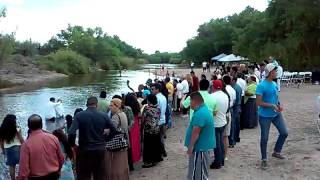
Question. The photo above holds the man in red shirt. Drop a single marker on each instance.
(40, 156)
(195, 82)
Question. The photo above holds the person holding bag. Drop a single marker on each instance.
(117, 158)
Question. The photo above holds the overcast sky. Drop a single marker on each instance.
(151, 25)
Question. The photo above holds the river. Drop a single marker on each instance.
(73, 91)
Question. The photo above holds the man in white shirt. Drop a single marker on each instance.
(230, 90)
(185, 91)
(51, 110)
(220, 122)
(51, 114)
(185, 86)
(162, 104)
(59, 115)
(204, 66)
(192, 65)
(279, 75)
(233, 96)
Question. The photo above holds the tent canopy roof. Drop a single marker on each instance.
(218, 57)
(231, 58)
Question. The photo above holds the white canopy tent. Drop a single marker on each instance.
(218, 57)
(231, 58)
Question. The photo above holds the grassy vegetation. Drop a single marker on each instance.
(66, 62)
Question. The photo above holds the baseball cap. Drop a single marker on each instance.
(217, 84)
(269, 67)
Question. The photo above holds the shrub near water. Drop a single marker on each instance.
(66, 62)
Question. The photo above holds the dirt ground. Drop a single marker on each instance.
(302, 157)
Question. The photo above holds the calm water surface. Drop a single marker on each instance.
(73, 91)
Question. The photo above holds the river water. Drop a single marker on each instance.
(73, 91)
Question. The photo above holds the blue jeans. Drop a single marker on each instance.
(219, 150)
(279, 123)
(235, 125)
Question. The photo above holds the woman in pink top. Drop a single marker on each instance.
(131, 101)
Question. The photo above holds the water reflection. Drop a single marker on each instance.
(73, 91)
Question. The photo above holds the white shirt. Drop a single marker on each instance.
(204, 64)
(257, 79)
(243, 84)
(318, 103)
(51, 110)
(279, 71)
(232, 94)
(185, 85)
(179, 90)
(59, 110)
(192, 64)
(257, 73)
(222, 99)
(262, 75)
(162, 104)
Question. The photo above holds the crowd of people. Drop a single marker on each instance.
(104, 141)
(107, 139)
(237, 97)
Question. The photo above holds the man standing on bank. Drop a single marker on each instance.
(93, 127)
(200, 138)
(270, 112)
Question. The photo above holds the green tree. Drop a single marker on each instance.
(27, 48)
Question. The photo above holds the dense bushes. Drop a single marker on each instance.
(66, 62)
(288, 30)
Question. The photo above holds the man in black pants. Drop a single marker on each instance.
(93, 127)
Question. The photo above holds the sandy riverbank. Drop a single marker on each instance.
(302, 158)
(26, 75)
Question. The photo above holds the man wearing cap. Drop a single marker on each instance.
(270, 112)
(220, 122)
(93, 127)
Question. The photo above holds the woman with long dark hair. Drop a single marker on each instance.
(151, 133)
(134, 133)
(66, 170)
(11, 140)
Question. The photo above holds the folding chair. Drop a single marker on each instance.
(286, 78)
(307, 77)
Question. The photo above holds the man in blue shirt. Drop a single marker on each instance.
(200, 138)
(235, 116)
(270, 112)
(162, 104)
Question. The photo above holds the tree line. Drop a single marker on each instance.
(288, 30)
(74, 50)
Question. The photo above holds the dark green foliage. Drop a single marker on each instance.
(27, 48)
(164, 57)
(288, 30)
(6, 47)
(66, 62)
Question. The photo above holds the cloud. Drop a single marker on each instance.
(163, 25)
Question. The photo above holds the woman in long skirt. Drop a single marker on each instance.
(151, 141)
(131, 101)
(250, 109)
(117, 162)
